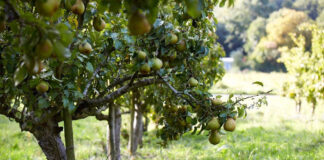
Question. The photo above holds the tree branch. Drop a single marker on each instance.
(179, 94)
(122, 90)
(85, 92)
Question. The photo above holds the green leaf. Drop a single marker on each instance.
(43, 103)
(258, 83)
(222, 4)
(89, 67)
(20, 74)
(188, 119)
(60, 50)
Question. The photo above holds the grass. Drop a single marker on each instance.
(275, 131)
(241, 83)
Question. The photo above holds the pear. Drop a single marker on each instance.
(229, 125)
(85, 48)
(193, 82)
(157, 64)
(44, 49)
(181, 46)
(217, 102)
(214, 138)
(78, 8)
(138, 24)
(145, 68)
(47, 7)
(99, 24)
(141, 55)
(173, 39)
(213, 124)
(42, 87)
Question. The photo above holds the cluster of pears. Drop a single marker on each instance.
(214, 126)
(49, 7)
(146, 68)
(33, 63)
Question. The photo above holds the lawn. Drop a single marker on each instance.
(275, 131)
(241, 82)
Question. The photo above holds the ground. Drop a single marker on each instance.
(275, 131)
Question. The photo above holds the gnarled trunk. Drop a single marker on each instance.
(48, 137)
(113, 133)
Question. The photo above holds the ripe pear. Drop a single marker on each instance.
(181, 46)
(99, 24)
(214, 138)
(229, 125)
(213, 124)
(47, 7)
(145, 68)
(193, 82)
(78, 8)
(42, 87)
(44, 49)
(156, 64)
(85, 48)
(173, 39)
(217, 102)
(141, 55)
(138, 24)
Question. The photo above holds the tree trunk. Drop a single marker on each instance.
(298, 106)
(139, 127)
(68, 133)
(313, 109)
(136, 130)
(146, 123)
(114, 125)
(48, 137)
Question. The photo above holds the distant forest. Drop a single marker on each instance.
(253, 31)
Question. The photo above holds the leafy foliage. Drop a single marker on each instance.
(306, 66)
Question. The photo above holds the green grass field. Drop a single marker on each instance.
(241, 83)
(275, 131)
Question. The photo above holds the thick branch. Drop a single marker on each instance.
(122, 90)
(120, 81)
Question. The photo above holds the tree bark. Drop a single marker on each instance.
(114, 125)
(68, 133)
(136, 127)
(48, 137)
(146, 123)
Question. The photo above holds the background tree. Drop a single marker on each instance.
(306, 66)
